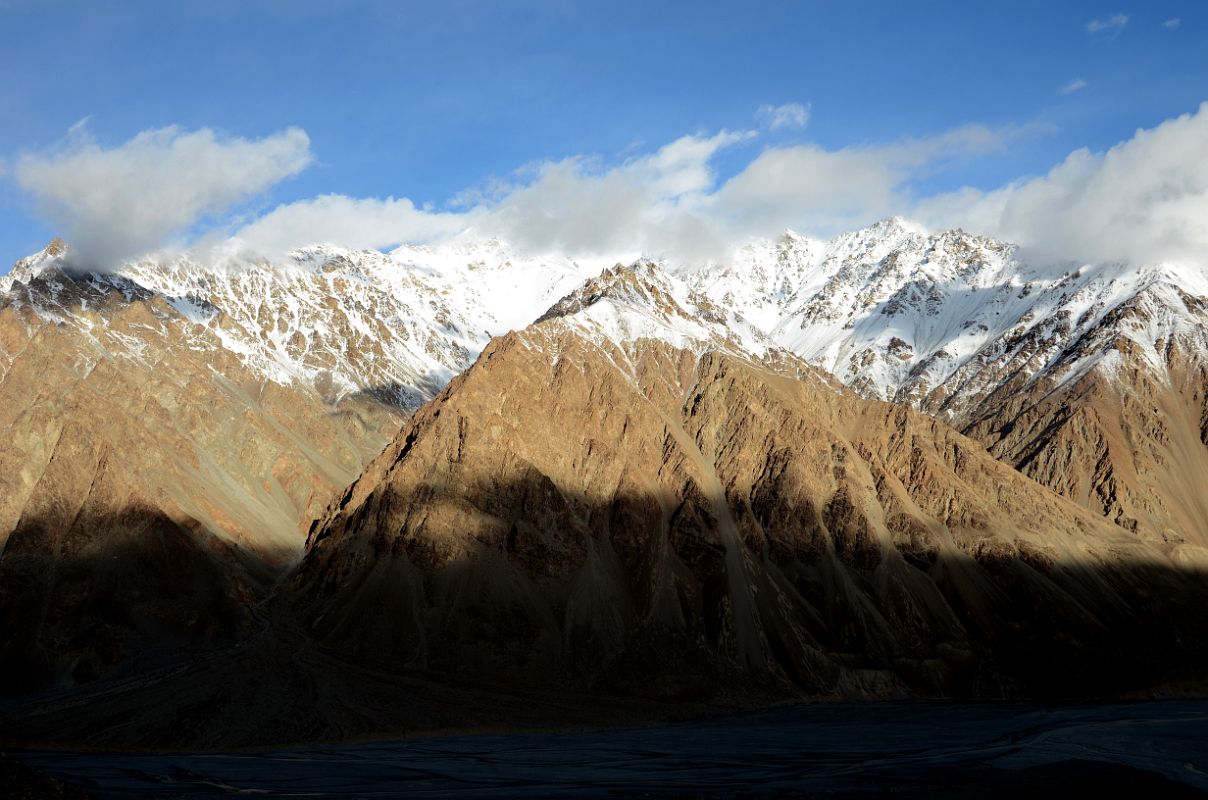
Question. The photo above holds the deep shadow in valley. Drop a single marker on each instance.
(930, 750)
(87, 594)
(130, 630)
(997, 620)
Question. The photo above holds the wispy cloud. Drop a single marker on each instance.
(1112, 24)
(1172, 23)
(1076, 85)
(120, 202)
(790, 116)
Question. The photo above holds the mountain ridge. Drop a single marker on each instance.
(954, 324)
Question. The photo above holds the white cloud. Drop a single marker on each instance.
(647, 204)
(1172, 23)
(1144, 200)
(666, 203)
(121, 202)
(1112, 24)
(791, 116)
(650, 204)
(352, 222)
(822, 191)
(1076, 85)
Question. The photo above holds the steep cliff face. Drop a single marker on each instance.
(591, 507)
(1125, 436)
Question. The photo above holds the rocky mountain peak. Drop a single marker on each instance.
(626, 304)
(641, 283)
(26, 269)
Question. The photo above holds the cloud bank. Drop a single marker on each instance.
(651, 204)
(1144, 200)
(668, 204)
(121, 202)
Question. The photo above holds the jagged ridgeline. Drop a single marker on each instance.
(761, 480)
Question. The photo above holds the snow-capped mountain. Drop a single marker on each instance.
(1091, 378)
(938, 320)
(958, 325)
(941, 320)
(221, 407)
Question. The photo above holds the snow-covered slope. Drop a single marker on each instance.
(627, 304)
(766, 280)
(938, 320)
(393, 326)
(941, 320)
(1090, 378)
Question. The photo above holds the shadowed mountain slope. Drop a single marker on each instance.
(608, 500)
(152, 485)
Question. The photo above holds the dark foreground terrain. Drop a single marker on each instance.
(1153, 749)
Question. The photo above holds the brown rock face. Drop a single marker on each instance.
(1127, 440)
(151, 486)
(682, 522)
(1090, 378)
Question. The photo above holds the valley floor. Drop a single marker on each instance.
(838, 750)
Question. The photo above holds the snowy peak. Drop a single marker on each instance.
(941, 319)
(764, 281)
(30, 267)
(641, 284)
(626, 304)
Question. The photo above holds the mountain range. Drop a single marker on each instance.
(893, 464)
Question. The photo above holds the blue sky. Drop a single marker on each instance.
(426, 100)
